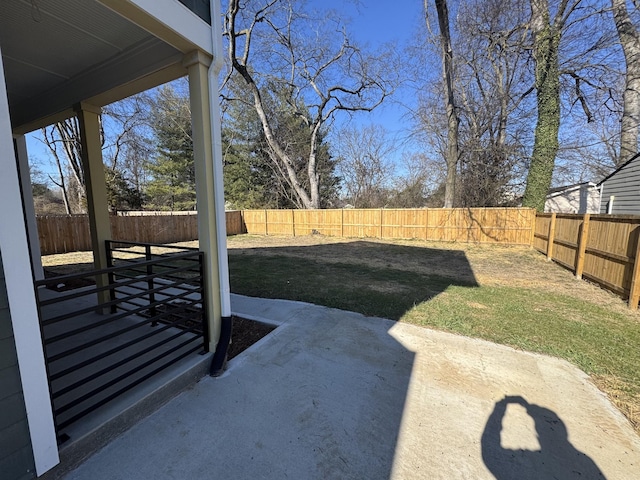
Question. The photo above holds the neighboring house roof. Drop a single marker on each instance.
(568, 188)
(635, 157)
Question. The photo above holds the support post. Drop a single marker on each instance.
(21, 301)
(552, 232)
(29, 209)
(582, 245)
(97, 204)
(197, 65)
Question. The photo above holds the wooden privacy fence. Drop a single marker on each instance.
(600, 248)
(70, 233)
(478, 225)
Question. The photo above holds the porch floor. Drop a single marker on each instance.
(335, 395)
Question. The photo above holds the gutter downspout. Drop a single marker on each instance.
(219, 358)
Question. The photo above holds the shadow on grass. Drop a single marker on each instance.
(371, 278)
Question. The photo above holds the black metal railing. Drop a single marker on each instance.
(107, 331)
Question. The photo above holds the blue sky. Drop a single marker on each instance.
(370, 23)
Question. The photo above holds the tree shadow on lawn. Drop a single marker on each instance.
(371, 278)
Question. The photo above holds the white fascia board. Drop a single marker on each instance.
(172, 15)
(22, 301)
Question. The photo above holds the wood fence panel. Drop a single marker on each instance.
(60, 234)
(541, 232)
(255, 221)
(235, 223)
(404, 223)
(362, 223)
(325, 222)
(611, 251)
(279, 222)
(565, 242)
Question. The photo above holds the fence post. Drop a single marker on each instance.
(552, 232)
(582, 245)
(426, 224)
(534, 225)
(342, 222)
(266, 231)
(634, 291)
(293, 222)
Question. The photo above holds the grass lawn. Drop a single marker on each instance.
(508, 295)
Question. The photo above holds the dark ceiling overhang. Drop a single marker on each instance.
(58, 53)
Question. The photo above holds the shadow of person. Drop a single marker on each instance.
(557, 458)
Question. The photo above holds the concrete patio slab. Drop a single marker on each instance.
(333, 394)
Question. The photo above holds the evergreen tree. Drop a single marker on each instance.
(252, 177)
(173, 173)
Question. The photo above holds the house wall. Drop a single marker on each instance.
(624, 185)
(16, 455)
(581, 199)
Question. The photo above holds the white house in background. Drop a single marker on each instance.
(621, 190)
(61, 58)
(579, 198)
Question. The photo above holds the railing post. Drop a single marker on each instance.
(203, 300)
(111, 276)
(582, 245)
(552, 232)
(150, 283)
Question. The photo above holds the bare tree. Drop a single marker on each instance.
(493, 85)
(316, 68)
(365, 166)
(63, 141)
(629, 37)
(453, 121)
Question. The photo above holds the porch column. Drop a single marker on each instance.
(29, 209)
(97, 204)
(197, 64)
(21, 300)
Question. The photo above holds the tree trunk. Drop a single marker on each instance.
(546, 42)
(452, 116)
(629, 37)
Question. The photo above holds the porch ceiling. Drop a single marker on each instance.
(57, 53)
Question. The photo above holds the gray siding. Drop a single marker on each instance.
(16, 456)
(624, 185)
